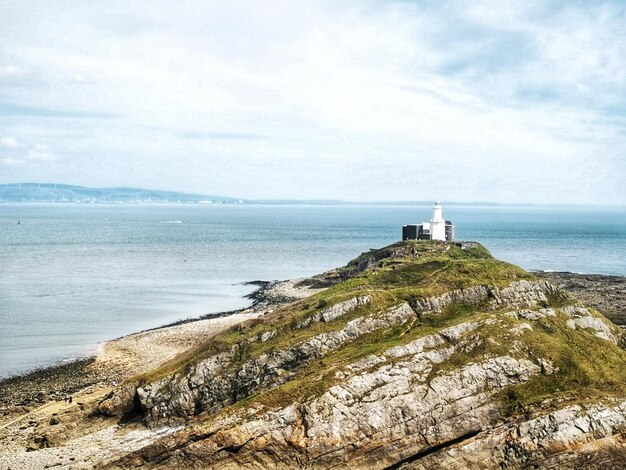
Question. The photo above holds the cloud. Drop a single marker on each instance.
(360, 100)
(18, 153)
(8, 142)
(221, 135)
(40, 153)
(13, 110)
(10, 71)
(9, 161)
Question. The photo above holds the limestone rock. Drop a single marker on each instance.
(519, 294)
(582, 318)
(336, 311)
(118, 402)
(210, 384)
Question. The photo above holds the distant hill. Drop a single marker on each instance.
(63, 193)
(51, 192)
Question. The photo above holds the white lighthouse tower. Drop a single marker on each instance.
(438, 223)
(437, 229)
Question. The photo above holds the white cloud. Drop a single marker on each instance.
(8, 142)
(8, 161)
(40, 153)
(10, 71)
(21, 154)
(443, 96)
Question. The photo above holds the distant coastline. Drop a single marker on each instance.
(58, 193)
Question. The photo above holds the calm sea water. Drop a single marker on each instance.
(72, 276)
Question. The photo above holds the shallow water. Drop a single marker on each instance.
(72, 276)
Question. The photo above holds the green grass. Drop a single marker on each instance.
(587, 366)
(401, 272)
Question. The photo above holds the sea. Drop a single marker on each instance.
(75, 275)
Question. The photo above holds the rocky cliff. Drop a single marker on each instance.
(420, 355)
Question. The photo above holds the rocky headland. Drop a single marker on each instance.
(418, 355)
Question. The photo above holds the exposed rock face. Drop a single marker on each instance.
(519, 294)
(208, 387)
(581, 318)
(353, 424)
(389, 410)
(393, 409)
(589, 437)
(336, 311)
(119, 402)
(211, 385)
(385, 415)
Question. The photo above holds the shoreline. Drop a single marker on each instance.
(40, 430)
(68, 363)
(265, 295)
(120, 358)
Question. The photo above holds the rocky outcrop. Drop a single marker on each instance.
(219, 381)
(533, 314)
(214, 382)
(385, 409)
(208, 387)
(519, 294)
(408, 408)
(119, 402)
(336, 311)
(387, 370)
(581, 317)
(590, 437)
(396, 410)
(605, 293)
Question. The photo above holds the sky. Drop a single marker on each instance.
(517, 101)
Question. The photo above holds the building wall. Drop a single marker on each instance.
(438, 230)
(449, 231)
(410, 232)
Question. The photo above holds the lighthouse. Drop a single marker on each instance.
(437, 229)
(437, 223)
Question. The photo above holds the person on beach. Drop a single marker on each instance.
(69, 400)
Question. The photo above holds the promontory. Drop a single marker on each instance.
(419, 355)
